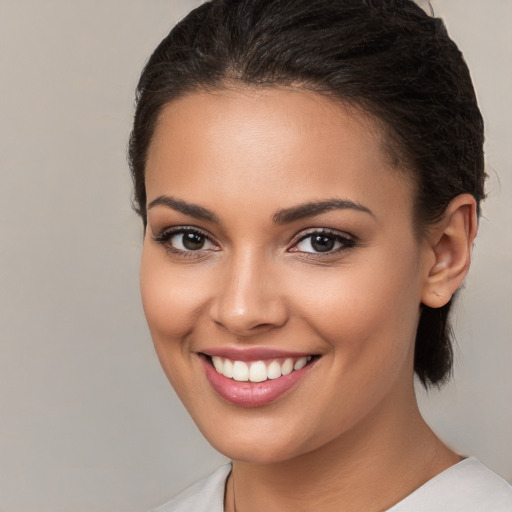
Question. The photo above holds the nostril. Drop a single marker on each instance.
(252, 319)
(247, 301)
(246, 325)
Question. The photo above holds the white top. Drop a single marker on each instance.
(466, 487)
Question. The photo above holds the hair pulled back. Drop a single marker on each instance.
(387, 57)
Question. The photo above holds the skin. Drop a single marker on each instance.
(350, 432)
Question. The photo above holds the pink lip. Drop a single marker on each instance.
(253, 394)
(253, 353)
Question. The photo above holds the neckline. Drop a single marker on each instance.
(403, 501)
(431, 482)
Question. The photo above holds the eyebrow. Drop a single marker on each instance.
(294, 213)
(283, 216)
(191, 209)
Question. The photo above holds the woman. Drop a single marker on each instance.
(309, 175)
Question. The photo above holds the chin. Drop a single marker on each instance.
(256, 453)
(258, 442)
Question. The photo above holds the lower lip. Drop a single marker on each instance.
(253, 394)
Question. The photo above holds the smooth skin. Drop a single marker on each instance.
(349, 434)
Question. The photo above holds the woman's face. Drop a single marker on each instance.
(279, 235)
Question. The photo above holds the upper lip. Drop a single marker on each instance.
(253, 353)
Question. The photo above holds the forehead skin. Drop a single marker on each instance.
(228, 128)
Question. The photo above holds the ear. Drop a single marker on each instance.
(450, 243)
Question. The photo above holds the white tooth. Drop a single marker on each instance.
(309, 358)
(258, 372)
(287, 367)
(303, 361)
(274, 370)
(240, 371)
(217, 362)
(228, 369)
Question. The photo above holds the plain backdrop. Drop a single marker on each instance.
(88, 421)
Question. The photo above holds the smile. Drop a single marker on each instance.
(258, 371)
(255, 378)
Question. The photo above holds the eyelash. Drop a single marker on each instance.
(346, 242)
(165, 237)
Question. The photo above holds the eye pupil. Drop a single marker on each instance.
(193, 241)
(322, 243)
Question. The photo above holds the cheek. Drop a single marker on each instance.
(172, 300)
(170, 303)
(374, 302)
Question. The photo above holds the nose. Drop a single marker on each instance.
(248, 300)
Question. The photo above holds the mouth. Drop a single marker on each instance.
(258, 371)
(249, 381)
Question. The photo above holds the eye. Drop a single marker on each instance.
(185, 240)
(323, 242)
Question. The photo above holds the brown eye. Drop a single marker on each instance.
(192, 241)
(185, 240)
(323, 242)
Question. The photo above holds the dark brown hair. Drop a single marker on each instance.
(385, 56)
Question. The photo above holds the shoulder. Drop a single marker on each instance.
(207, 495)
(468, 485)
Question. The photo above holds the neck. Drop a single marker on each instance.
(388, 457)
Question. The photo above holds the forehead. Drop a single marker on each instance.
(280, 145)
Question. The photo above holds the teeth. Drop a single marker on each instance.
(218, 363)
(257, 371)
(228, 369)
(240, 371)
(287, 367)
(303, 361)
(274, 370)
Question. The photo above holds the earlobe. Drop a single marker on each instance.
(450, 245)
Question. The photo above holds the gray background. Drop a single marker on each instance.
(88, 422)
